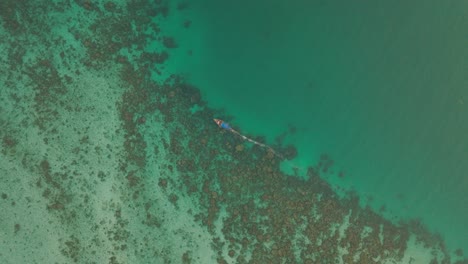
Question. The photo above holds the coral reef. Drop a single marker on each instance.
(113, 192)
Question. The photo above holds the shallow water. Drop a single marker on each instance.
(109, 152)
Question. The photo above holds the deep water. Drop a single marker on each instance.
(379, 87)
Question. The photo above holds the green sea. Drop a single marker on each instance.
(109, 152)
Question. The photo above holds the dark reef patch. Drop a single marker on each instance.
(169, 42)
(71, 248)
(17, 228)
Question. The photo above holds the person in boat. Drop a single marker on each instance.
(222, 124)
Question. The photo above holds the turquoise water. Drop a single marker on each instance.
(109, 154)
(381, 88)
